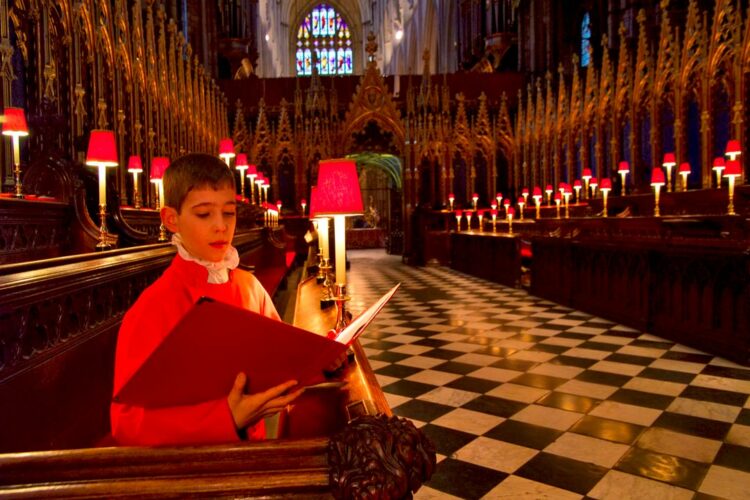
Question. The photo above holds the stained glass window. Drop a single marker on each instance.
(585, 40)
(324, 36)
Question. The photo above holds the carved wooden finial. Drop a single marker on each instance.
(605, 41)
(372, 46)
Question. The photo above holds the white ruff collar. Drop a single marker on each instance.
(218, 272)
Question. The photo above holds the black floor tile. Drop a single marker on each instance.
(447, 441)
(514, 364)
(706, 496)
(539, 381)
(550, 348)
(622, 334)
(389, 356)
(569, 402)
(445, 354)
(688, 356)
(667, 375)
(640, 398)
(600, 346)
(374, 333)
(733, 456)
(562, 472)
(714, 395)
(573, 361)
(464, 480)
(400, 371)
(629, 359)
(572, 335)
(610, 430)
(666, 468)
(495, 406)
(744, 417)
(430, 343)
(695, 426)
(523, 434)
(383, 345)
(723, 371)
(597, 377)
(456, 367)
(473, 384)
(408, 388)
(422, 410)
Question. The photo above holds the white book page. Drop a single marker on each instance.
(358, 324)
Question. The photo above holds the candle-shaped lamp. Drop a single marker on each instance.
(558, 200)
(159, 165)
(577, 186)
(480, 216)
(458, 214)
(586, 175)
(657, 181)
(732, 171)
(474, 200)
(511, 211)
(733, 149)
(499, 198)
(521, 203)
(226, 150)
(668, 163)
(14, 126)
(324, 258)
(493, 213)
(451, 199)
(623, 168)
(593, 183)
(605, 187)
(567, 193)
(525, 194)
(135, 167)
(241, 164)
(548, 191)
(467, 214)
(537, 195)
(252, 174)
(303, 204)
(339, 196)
(102, 153)
(684, 172)
(259, 186)
(718, 167)
(506, 206)
(266, 186)
(278, 207)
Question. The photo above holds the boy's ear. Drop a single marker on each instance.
(169, 219)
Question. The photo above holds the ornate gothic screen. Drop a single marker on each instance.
(324, 34)
(585, 40)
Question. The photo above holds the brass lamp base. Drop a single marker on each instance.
(103, 233)
(327, 299)
(341, 299)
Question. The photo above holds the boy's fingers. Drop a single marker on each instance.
(277, 391)
(239, 383)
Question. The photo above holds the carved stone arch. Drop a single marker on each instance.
(83, 25)
(296, 11)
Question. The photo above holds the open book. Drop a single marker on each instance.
(200, 358)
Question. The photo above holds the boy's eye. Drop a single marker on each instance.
(202, 215)
(229, 214)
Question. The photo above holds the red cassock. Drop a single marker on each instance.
(145, 325)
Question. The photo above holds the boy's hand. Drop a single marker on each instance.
(247, 409)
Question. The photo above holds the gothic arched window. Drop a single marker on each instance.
(585, 40)
(325, 35)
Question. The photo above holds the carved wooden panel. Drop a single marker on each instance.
(33, 229)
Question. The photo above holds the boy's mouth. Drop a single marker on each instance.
(218, 244)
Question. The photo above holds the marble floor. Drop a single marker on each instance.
(524, 398)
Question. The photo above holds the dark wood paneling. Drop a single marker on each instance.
(491, 256)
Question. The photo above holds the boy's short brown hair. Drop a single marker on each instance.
(193, 171)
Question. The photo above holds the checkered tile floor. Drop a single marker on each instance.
(524, 398)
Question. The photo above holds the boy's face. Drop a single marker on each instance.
(206, 222)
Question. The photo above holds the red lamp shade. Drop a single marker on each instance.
(733, 169)
(521, 201)
(623, 167)
(278, 204)
(158, 166)
(558, 197)
(240, 163)
(733, 147)
(134, 164)
(458, 213)
(586, 173)
(511, 211)
(451, 197)
(493, 205)
(14, 122)
(493, 212)
(506, 203)
(549, 188)
(684, 168)
(657, 177)
(480, 213)
(577, 184)
(605, 184)
(303, 202)
(537, 192)
(719, 163)
(467, 213)
(593, 182)
(252, 171)
(102, 149)
(226, 147)
(568, 189)
(499, 195)
(669, 160)
(313, 202)
(525, 191)
(338, 188)
(475, 196)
